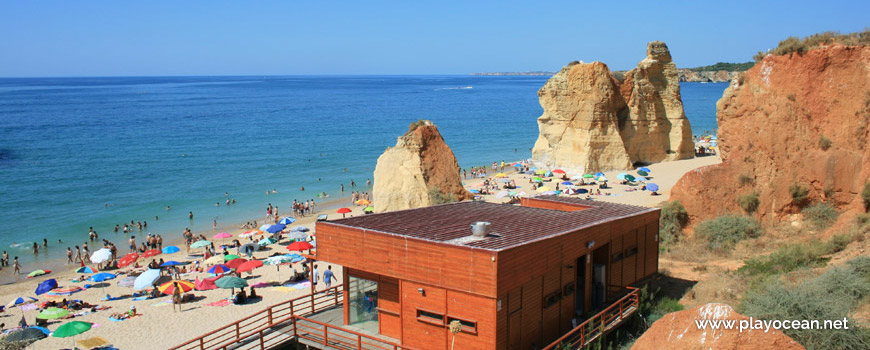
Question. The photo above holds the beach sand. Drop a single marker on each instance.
(160, 328)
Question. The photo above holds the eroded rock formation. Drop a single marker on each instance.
(678, 330)
(420, 170)
(799, 118)
(592, 122)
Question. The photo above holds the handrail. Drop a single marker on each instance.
(264, 319)
(327, 339)
(600, 323)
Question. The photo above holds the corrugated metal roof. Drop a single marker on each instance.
(511, 225)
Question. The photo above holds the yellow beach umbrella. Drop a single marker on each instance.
(543, 189)
(501, 175)
(363, 202)
(217, 259)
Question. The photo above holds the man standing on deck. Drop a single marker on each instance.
(328, 277)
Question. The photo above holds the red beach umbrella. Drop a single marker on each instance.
(150, 253)
(249, 265)
(235, 263)
(299, 246)
(128, 259)
(169, 287)
(559, 171)
(343, 211)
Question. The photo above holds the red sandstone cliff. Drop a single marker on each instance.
(771, 121)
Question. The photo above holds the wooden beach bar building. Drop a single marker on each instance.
(515, 277)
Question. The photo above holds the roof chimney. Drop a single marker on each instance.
(480, 228)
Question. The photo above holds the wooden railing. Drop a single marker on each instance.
(601, 323)
(266, 324)
(337, 337)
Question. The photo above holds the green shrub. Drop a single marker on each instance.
(799, 193)
(725, 231)
(821, 215)
(672, 219)
(749, 202)
(829, 191)
(436, 196)
(865, 195)
(824, 143)
(830, 296)
(791, 97)
(745, 180)
(787, 258)
(796, 45)
(417, 124)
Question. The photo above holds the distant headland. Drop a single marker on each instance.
(715, 73)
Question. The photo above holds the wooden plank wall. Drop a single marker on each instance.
(452, 267)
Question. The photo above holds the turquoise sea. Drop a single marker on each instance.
(81, 152)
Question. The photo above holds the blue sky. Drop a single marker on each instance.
(110, 38)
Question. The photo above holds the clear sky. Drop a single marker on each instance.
(109, 38)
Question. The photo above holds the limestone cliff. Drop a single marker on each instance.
(677, 330)
(419, 171)
(796, 118)
(715, 76)
(592, 122)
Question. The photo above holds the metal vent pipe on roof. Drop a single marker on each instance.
(480, 228)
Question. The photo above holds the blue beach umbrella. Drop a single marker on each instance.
(265, 227)
(287, 221)
(146, 279)
(170, 263)
(170, 249)
(652, 187)
(219, 269)
(19, 301)
(644, 169)
(276, 228)
(85, 269)
(568, 183)
(102, 276)
(640, 178)
(474, 191)
(621, 176)
(599, 174)
(582, 190)
(46, 286)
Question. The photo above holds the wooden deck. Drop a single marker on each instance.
(600, 324)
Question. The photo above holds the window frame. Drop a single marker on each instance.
(465, 329)
(429, 319)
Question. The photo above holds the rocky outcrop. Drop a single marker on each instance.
(795, 119)
(419, 171)
(678, 330)
(592, 122)
(716, 76)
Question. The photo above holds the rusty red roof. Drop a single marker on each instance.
(511, 225)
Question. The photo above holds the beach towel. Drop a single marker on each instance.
(163, 303)
(140, 298)
(222, 302)
(299, 285)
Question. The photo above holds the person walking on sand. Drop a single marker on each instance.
(78, 255)
(16, 266)
(176, 296)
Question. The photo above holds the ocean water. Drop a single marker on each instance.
(82, 152)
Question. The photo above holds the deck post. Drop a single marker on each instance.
(202, 343)
(270, 316)
(237, 332)
(262, 346)
(325, 335)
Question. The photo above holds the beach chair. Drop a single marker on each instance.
(92, 343)
(321, 217)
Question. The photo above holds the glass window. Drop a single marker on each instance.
(430, 317)
(363, 303)
(467, 326)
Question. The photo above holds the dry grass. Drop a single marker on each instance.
(800, 46)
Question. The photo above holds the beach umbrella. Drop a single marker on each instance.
(280, 259)
(645, 169)
(169, 287)
(642, 173)
(297, 236)
(537, 179)
(101, 255)
(102, 276)
(640, 178)
(249, 265)
(170, 250)
(25, 335)
(558, 171)
(235, 263)
(287, 221)
(300, 229)
(276, 228)
(200, 244)
(548, 174)
(474, 191)
(52, 313)
(128, 259)
(299, 246)
(128, 281)
(652, 187)
(505, 180)
(250, 233)
(20, 301)
(170, 263)
(621, 176)
(38, 273)
(363, 202)
(540, 171)
(150, 253)
(230, 282)
(219, 269)
(568, 183)
(266, 241)
(222, 235)
(517, 164)
(629, 178)
(502, 194)
(65, 291)
(70, 329)
(582, 190)
(369, 209)
(265, 227)
(500, 175)
(146, 279)
(588, 176)
(599, 174)
(343, 211)
(601, 178)
(217, 259)
(533, 168)
(543, 189)
(85, 269)
(46, 286)
(230, 257)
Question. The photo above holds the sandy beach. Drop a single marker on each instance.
(159, 327)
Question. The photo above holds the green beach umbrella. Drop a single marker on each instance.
(629, 178)
(229, 282)
(229, 257)
(642, 173)
(369, 209)
(52, 313)
(588, 176)
(200, 244)
(538, 179)
(70, 329)
(38, 273)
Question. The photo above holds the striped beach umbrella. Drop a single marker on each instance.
(85, 269)
(169, 287)
(20, 301)
(219, 269)
(52, 313)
